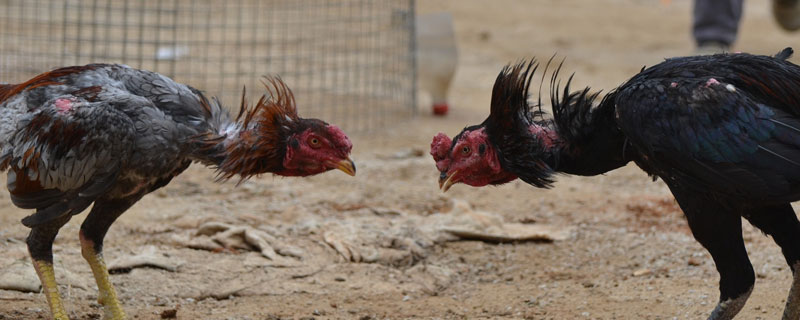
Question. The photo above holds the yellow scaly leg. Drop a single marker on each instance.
(50, 288)
(107, 296)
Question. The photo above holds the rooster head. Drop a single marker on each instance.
(469, 158)
(317, 148)
(513, 142)
(271, 137)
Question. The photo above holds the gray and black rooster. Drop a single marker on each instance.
(722, 131)
(109, 134)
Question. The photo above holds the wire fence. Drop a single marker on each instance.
(350, 62)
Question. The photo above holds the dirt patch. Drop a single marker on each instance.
(656, 213)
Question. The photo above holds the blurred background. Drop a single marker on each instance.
(358, 62)
(350, 61)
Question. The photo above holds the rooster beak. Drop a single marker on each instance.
(446, 181)
(347, 166)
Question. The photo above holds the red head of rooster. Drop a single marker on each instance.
(271, 137)
(496, 151)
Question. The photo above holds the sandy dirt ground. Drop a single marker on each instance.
(628, 253)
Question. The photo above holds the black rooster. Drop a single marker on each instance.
(723, 132)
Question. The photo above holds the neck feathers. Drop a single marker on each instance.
(524, 141)
(580, 139)
(255, 142)
(591, 141)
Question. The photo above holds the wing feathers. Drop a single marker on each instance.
(779, 156)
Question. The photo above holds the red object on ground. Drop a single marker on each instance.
(440, 109)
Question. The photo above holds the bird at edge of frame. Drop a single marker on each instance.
(722, 131)
(109, 134)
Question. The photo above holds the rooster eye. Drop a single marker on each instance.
(465, 150)
(314, 142)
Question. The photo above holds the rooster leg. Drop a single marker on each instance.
(781, 223)
(93, 230)
(40, 246)
(107, 295)
(792, 310)
(720, 232)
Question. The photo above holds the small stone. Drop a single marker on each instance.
(169, 314)
(642, 272)
(484, 35)
(694, 261)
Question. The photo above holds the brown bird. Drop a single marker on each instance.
(109, 134)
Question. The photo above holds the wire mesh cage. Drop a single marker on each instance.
(350, 62)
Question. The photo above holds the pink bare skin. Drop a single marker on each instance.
(64, 105)
(471, 160)
(316, 150)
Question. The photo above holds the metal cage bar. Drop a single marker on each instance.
(348, 61)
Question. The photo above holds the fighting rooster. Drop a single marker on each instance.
(722, 131)
(109, 134)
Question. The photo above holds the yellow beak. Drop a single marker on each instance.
(347, 166)
(445, 182)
